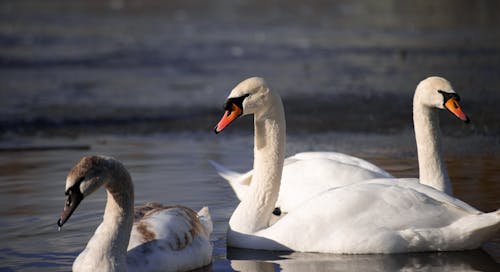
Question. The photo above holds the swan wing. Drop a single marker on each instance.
(345, 159)
(306, 174)
(238, 181)
(310, 173)
(170, 236)
(376, 216)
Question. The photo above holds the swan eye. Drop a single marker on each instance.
(75, 186)
(68, 201)
(80, 179)
(238, 101)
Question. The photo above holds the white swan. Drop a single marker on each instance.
(155, 238)
(304, 174)
(375, 216)
(431, 94)
(308, 173)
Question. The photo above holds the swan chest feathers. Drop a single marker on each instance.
(95, 256)
(377, 216)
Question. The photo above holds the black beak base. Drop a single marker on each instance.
(72, 202)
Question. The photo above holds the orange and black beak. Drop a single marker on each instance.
(451, 103)
(233, 109)
(229, 116)
(454, 107)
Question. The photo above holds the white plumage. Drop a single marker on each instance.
(373, 216)
(309, 173)
(306, 174)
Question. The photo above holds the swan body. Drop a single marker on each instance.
(151, 238)
(373, 216)
(376, 216)
(306, 174)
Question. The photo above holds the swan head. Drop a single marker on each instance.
(251, 96)
(436, 92)
(86, 176)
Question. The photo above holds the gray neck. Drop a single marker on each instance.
(432, 169)
(108, 247)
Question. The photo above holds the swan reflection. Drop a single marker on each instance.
(263, 261)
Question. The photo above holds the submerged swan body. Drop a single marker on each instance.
(153, 238)
(373, 216)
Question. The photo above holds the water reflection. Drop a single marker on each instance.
(265, 261)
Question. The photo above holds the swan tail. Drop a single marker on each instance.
(238, 182)
(206, 219)
(480, 227)
(225, 173)
(466, 233)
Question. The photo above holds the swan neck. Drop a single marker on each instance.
(432, 168)
(255, 211)
(108, 247)
(118, 216)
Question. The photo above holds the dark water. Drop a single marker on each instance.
(174, 168)
(71, 67)
(144, 81)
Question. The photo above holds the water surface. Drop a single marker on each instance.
(174, 168)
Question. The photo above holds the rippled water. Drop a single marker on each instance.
(174, 168)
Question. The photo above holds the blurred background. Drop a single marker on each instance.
(71, 67)
(145, 81)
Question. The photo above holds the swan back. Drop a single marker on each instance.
(172, 237)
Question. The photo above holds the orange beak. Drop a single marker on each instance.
(454, 107)
(228, 118)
